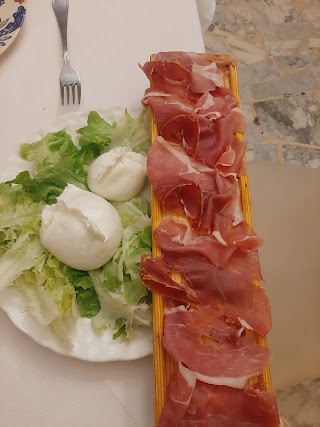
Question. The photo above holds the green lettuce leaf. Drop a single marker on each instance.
(114, 307)
(57, 162)
(87, 298)
(96, 136)
(133, 133)
(121, 293)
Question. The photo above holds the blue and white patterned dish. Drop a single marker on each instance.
(12, 14)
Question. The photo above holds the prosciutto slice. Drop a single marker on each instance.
(177, 236)
(216, 104)
(219, 406)
(215, 358)
(179, 393)
(205, 78)
(187, 187)
(168, 76)
(204, 283)
(212, 143)
(187, 59)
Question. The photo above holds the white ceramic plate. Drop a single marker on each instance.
(87, 345)
(12, 14)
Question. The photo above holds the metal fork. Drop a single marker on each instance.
(69, 76)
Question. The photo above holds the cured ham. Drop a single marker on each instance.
(197, 134)
(205, 78)
(176, 236)
(210, 353)
(219, 406)
(168, 76)
(209, 261)
(216, 406)
(229, 290)
(186, 98)
(210, 201)
(216, 104)
(179, 391)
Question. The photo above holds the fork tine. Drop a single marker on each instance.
(79, 92)
(68, 93)
(73, 88)
(62, 93)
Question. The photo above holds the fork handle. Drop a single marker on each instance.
(61, 8)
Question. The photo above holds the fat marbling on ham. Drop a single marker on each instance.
(209, 258)
(193, 89)
(211, 350)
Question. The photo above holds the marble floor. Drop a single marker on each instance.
(277, 46)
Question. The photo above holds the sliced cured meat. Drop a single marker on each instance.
(178, 237)
(210, 201)
(216, 104)
(183, 129)
(166, 106)
(219, 139)
(211, 322)
(212, 143)
(168, 77)
(242, 235)
(219, 406)
(183, 185)
(229, 289)
(205, 78)
(186, 59)
(215, 358)
(179, 393)
(207, 284)
(155, 274)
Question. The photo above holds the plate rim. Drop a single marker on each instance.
(16, 32)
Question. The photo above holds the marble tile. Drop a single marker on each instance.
(278, 14)
(248, 112)
(254, 134)
(292, 47)
(249, 2)
(313, 13)
(301, 156)
(246, 94)
(316, 73)
(300, 81)
(238, 21)
(266, 153)
(218, 16)
(258, 72)
(299, 404)
(278, 2)
(261, 20)
(304, 3)
(218, 41)
(223, 2)
(296, 118)
(293, 30)
(296, 61)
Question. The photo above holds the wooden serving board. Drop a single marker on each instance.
(163, 364)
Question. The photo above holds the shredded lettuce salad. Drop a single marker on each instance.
(112, 296)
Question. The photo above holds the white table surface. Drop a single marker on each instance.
(107, 39)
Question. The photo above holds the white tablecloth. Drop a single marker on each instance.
(107, 39)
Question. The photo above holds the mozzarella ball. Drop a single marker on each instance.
(82, 229)
(118, 175)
